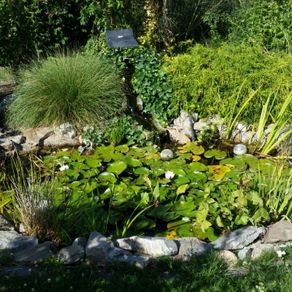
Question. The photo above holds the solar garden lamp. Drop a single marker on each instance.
(124, 39)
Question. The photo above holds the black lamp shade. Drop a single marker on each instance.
(121, 38)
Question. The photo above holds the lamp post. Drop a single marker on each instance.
(124, 39)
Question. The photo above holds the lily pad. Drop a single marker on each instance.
(122, 148)
(117, 167)
(141, 170)
(133, 162)
(191, 147)
(93, 162)
(217, 154)
(196, 158)
(218, 171)
(107, 177)
(197, 166)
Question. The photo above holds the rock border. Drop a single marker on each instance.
(246, 242)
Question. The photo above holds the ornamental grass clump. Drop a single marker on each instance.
(6, 75)
(81, 90)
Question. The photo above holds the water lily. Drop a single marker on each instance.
(169, 175)
(64, 167)
(280, 253)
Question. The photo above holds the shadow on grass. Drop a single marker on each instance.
(206, 273)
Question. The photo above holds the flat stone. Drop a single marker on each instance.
(98, 248)
(190, 247)
(239, 238)
(16, 241)
(5, 225)
(227, 257)
(71, 254)
(149, 246)
(48, 137)
(279, 232)
(34, 254)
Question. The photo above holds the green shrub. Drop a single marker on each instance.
(123, 129)
(208, 80)
(77, 89)
(149, 82)
(263, 22)
(29, 28)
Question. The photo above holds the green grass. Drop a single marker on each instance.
(201, 274)
(81, 90)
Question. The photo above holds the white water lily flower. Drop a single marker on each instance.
(64, 167)
(280, 253)
(169, 175)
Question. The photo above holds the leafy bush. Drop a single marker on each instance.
(29, 28)
(123, 129)
(208, 80)
(149, 82)
(82, 90)
(263, 22)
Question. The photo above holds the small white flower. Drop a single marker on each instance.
(64, 167)
(280, 253)
(169, 175)
(186, 219)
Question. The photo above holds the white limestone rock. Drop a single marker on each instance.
(149, 246)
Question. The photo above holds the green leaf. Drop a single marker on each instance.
(191, 147)
(156, 192)
(107, 177)
(182, 189)
(122, 148)
(92, 162)
(198, 166)
(181, 180)
(219, 222)
(217, 154)
(261, 215)
(133, 162)
(241, 219)
(117, 167)
(141, 171)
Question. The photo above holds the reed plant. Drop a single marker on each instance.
(82, 90)
(33, 200)
(275, 190)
